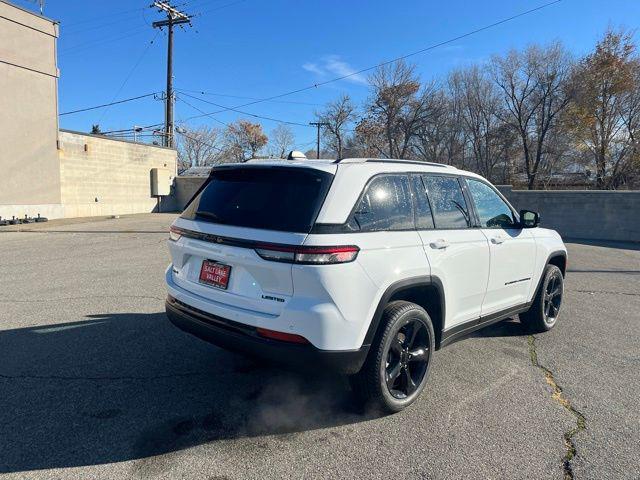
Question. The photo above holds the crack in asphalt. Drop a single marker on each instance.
(101, 378)
(83, 297)
(559, 396)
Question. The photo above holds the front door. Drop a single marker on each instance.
(512, 249)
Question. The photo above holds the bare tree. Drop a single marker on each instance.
(199, 147)
(630, 171)
(282, 141)
(370, 139)
(432, 137)
(394, 111)
(456, 135)
(606, 83)
(480, 111)
(243, 140)
(534, 86)
(336, 117)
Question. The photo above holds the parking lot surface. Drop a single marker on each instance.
(96, 383)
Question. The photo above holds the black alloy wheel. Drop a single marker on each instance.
(543, 314)
(399, 359)
(553, 297)
(407, 359)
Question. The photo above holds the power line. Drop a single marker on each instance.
(184, 134)
(402, 57)
(226, 109)
(107, 39)
(210, 115)
(99, 26)
(230, 4)
(109, 104)
(133, 69)
(102, 17)
(215, 94)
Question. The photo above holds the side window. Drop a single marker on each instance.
(492, 210)
(424, 218)
(450, 210)
(385, 205)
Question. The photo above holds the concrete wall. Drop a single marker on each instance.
(185, 188)
(102, 176)
(29, 172)
(583, 214)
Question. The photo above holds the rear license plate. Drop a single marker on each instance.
(215, 274)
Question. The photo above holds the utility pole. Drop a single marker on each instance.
(174, 17)
(318, 124)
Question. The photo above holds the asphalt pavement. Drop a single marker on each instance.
(96, 383)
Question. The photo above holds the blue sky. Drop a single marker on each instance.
(255, 48)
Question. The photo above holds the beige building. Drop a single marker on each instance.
(59, 173)
(29, 171)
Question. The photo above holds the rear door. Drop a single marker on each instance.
(241, 209)
(512, 249)
(457, 252)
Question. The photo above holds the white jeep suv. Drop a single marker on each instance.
(363, 266)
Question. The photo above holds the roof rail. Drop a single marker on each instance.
(392, 160)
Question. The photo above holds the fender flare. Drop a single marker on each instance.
(552, 255)
(558, 253)
(394, 288)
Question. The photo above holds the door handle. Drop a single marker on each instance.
(497, 239)
(439, 244)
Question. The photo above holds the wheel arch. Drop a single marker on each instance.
(557, 258)
(425, 291)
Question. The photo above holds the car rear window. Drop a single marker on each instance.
(271, 198)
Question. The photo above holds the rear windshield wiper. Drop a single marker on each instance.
(210, 215)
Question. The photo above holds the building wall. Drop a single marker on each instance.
(102, 176)
(583, 214)
(29, 172)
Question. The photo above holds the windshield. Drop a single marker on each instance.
(270, 198)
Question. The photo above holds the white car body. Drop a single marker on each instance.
(473, 276)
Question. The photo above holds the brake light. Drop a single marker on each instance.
(175, 233)
(308, 255)
(283, 337)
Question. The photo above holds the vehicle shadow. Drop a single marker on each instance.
(127, 386)
(511, 327)
(118, 387)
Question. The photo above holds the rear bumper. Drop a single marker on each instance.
(243, 338)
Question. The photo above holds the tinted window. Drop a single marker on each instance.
(447, 200)
(492, 210)
(424, 219)
(385, 205)
(271, 198)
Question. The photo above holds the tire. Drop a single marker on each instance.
(399, 360)
(544, 312)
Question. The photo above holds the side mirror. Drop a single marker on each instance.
(529, 219)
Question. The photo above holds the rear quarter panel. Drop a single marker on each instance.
(384, 258)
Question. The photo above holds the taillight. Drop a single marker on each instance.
(327, 255)
(308, 255)
(175, 233)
